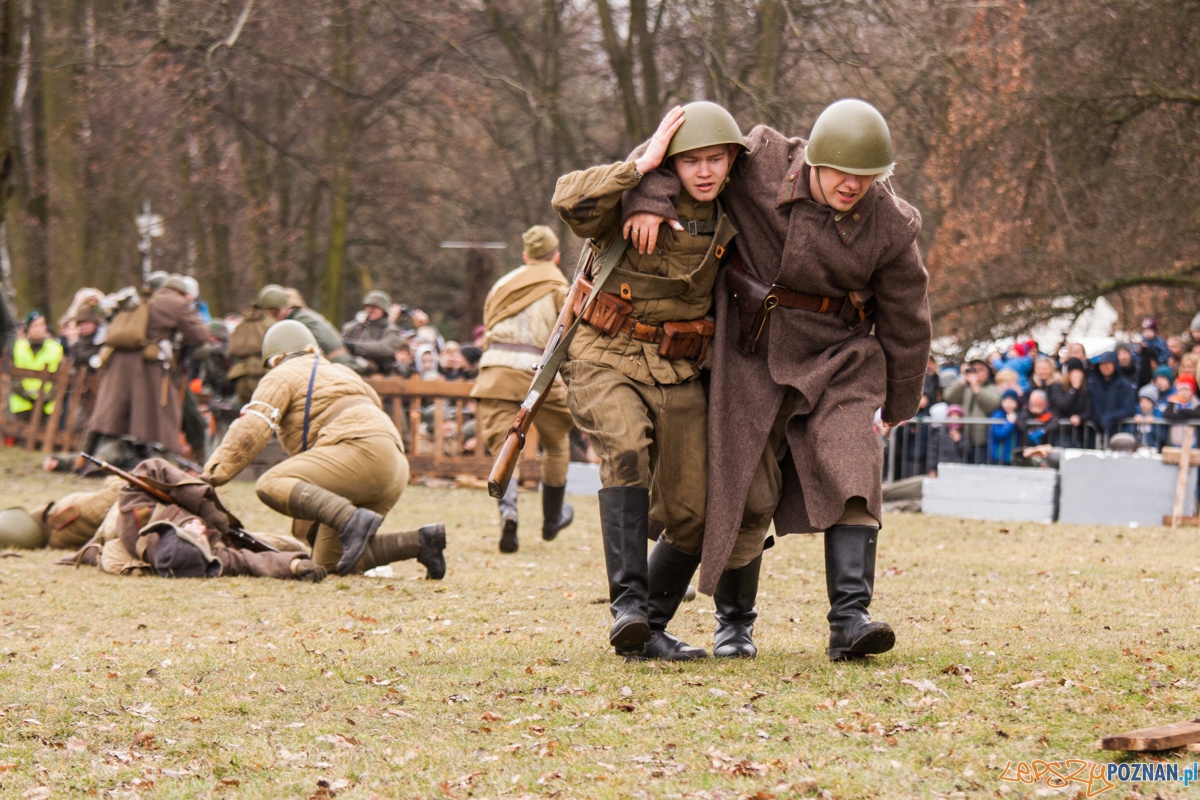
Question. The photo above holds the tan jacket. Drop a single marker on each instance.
(589, 202)
(343, 407)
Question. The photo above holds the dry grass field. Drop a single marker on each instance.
(1016, 643)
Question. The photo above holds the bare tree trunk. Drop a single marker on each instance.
(339, 133)
(28, 234)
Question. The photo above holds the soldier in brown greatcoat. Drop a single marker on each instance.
(822, 319)
(519, 316)
(139, 389)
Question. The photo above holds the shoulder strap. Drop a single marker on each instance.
(308, 403)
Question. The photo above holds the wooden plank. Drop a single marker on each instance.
(415, 387)
(439, 417)
(1191, 522)
(60, 399)
(414, 430)
(1161, 737)
(1185, 453)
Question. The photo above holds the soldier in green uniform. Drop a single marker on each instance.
(633, 368)
(274, 300)
(519, 316)
(374, 340)
(346, 468)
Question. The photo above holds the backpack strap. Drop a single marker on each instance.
(308, 403)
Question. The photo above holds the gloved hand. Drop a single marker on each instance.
(214, 517)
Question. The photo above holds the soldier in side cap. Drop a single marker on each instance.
(373, 340)
(346, 467)
(280, 304)
(519, 316)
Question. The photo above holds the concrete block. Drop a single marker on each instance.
(1103, 488)
(583, 479)
(1013, 494)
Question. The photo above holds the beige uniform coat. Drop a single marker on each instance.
(132, 399)
(841, 377)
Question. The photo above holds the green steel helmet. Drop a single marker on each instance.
(288, 336)
(378, 299)
(851, 136)
(272, 296)
(19, 529)
(705, 124)
(156, 279)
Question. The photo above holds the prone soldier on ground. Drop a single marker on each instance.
(633, 368)
(519, 316)
(346, 468)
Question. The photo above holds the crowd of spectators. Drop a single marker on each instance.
(1033, 401)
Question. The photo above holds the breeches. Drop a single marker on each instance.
(765, 489)
(650, 436)
(553, 424)
(366, 473)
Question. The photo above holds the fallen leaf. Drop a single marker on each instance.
(143, 739)
(924, 685)
(74, 745)
(37, 793)
(488, 716)
(338, 740)
(626, 691)
(230, 782)
(1030, 684)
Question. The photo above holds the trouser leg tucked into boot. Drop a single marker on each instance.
(556, 514)
(425, 545)
(508, 518)
(850, 579)
(624, 513)
(669, 571)
(355, 526)
(734, 598)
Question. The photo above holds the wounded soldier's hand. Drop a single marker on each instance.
(214, 517)
(305, 569)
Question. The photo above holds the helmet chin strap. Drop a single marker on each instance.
(824, 199)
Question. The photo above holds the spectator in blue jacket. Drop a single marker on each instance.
(1152, 343)
(1002, 435)
(1151, 432)
(1017, 359)
(1113, 398)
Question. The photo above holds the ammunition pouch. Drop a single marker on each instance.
(610, 315)
(686, 339)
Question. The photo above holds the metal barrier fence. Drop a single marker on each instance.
(917, 446)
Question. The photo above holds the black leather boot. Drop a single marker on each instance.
(508, 518)
(850, 579)
(556, 514)
(624, 511)
(670, 570)
(433, 543)
(355, 535)
(734, 598)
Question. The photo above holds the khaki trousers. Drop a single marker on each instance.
(766, 487)
(651, 436)
(553, 423)
(368, 473)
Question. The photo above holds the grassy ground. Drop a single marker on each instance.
(1016, 643)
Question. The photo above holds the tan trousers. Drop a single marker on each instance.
(651, 436)
(553, 424)
(367, 473)
(766, 487)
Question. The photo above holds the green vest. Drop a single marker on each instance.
(49, 357)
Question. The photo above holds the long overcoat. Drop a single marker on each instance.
(132, 399)
(840, 376)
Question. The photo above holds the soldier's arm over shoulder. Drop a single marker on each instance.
(657, 193)
(589, 200)
(902, 323)
(250, 432)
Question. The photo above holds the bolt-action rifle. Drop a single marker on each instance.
(240, 537)
(596, 265)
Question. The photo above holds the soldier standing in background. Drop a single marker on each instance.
(519, 316)
(346, 465)
(139, 391)
(374, 340)
(276, 302)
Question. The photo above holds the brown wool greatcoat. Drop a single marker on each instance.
(129, 401)
(841, 376)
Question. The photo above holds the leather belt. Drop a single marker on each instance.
(782, 296)
(641, 331)
(517, 348)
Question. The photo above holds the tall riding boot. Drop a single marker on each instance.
(850, 579)
(508, 518)
(624, 512)
(734, 598)
(670, 570)
(355, 526)
(425, 545)
(556, 514)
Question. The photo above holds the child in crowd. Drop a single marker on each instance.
(1182, 406)
(1002, 435)
(1150, 430)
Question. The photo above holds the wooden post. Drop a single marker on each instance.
(60, 399)
(1185, 450)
